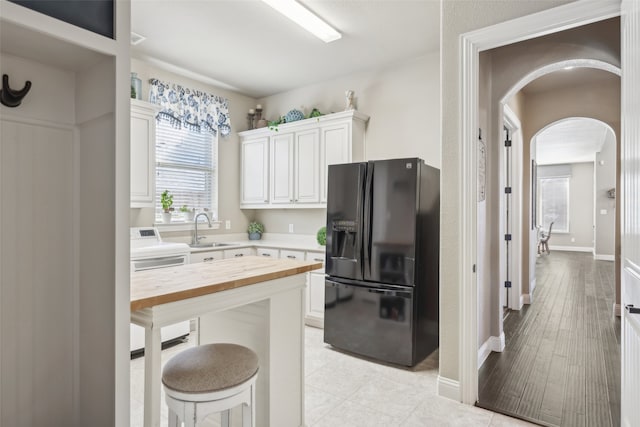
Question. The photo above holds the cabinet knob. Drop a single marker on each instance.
(208, 259)
(266, 254)
(291, 256)
(238, 255)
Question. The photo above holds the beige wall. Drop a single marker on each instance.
(228, 148)
(486, 299)
(459, 17)
(403, 104)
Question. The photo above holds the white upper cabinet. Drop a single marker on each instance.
(299, 155)
(335, 148)
(143, 154)
(307, 167)
(254, 179)
(282, 168)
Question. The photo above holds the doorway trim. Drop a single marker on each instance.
(511, 121)
(471, 44)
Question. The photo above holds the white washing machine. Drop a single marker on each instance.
(148, 251)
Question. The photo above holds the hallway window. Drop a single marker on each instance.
(554, 203)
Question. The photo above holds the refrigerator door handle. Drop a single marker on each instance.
(368, 203)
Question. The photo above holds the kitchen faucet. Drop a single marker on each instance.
(196, 239)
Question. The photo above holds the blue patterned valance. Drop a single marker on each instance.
(198, 111)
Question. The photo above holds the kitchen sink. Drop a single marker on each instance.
(208, 245)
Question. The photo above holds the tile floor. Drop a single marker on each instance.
(347, 391)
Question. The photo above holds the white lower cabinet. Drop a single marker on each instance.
(205, 256)
(268, 252)
(236, 253)
(314, 313)
(286, 254)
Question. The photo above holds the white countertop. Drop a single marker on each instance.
(295, 242)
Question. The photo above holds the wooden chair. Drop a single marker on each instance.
(543, 242)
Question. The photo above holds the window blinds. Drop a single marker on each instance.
(186, 165)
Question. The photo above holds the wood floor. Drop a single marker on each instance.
(561, 363)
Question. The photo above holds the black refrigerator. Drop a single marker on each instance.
(382, 260)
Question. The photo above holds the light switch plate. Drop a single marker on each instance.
(290, 228)
(603, 211)
(227, 224)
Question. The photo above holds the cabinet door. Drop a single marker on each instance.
(205, 256)
(237, 253)
(307, 167)
(268, 252)
(255, 171)
(282, 169)
(143, 156)
(335, 148)
(297, 255)
(315, 300)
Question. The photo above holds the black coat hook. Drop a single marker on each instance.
(12, 98)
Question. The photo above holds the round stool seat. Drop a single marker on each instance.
(209, 368)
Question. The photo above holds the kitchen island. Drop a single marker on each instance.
(253, 301)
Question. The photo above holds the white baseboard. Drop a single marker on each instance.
(449, 388)
(571, 248)
(604, 257)
(492, 344)
(526, 299)
(616, 310)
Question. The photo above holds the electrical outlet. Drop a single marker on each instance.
(227, 224)
(290, 228)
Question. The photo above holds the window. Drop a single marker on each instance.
(554, 203)
(186, 165)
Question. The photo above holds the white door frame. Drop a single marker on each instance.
(471, 44)
(511, 121)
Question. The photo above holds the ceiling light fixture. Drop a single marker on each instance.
(306, 19)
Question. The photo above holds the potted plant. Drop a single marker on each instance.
(255, 230)
(166, 199)
(188, 213)
(321, 237)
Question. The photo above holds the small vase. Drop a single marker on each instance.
(136, 84)
(255, 236)
(166, 217)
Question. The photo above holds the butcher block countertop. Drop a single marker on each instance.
(165, 285)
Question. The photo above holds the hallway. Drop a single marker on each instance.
(561, 363)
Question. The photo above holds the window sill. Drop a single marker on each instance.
(185, 225)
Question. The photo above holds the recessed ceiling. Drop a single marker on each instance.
(249, 47)
(570, 141)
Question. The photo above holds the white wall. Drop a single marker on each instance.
(228, 148)
(605, 179)
(402, 102)
(581, 205)
(401, 99)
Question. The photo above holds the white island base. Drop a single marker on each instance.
(266, 317)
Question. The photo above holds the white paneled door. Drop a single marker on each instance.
(630, 155)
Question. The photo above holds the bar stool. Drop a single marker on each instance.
(211, 378)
